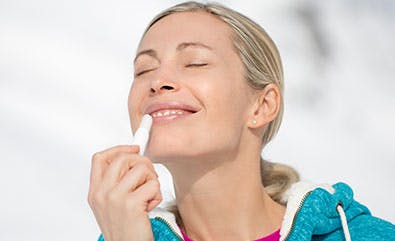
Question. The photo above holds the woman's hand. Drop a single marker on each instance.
(124, 187)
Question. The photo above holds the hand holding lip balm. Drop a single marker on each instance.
(141, 136)
(123, 179)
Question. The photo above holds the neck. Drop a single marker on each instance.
(224, 200)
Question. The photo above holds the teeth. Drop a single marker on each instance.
(167, 113)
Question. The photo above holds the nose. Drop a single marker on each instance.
(161, 85)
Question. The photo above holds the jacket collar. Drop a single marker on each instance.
(295, 198)
(313, 208)
(168, 217)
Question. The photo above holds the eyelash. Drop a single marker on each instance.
(143, 72)
(196, 65)
(188, 65)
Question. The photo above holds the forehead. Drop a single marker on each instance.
(196, 26)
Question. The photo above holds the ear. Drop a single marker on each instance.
(266, 106)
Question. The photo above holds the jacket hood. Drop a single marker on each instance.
(319, 210)
(312, 209)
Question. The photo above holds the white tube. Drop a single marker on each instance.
(141, 136)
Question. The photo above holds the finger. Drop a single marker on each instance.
(153, 203)
(141, 159)
(135, 177)
(101, 160)
(120, 165)
(108, 154)
(149, 193)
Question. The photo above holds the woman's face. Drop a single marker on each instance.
(190, 79)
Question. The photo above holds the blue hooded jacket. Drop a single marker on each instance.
(314, 212)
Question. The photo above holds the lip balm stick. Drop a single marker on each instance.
(142, 134)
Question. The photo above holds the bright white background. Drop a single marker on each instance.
(65, 73)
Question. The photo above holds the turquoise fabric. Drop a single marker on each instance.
(101, 238)
(162, 232)
(318, 220)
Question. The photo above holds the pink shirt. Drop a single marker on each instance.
(271, 237)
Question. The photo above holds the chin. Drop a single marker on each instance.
(169, 152)
(159, 152)
(161, 155)
(165, 144)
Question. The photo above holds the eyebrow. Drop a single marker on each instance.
(184, 45)
(181, 46)
(149, 52)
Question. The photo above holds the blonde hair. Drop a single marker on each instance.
(262, 65)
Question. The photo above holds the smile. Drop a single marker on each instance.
(166, 115)
(169, 111)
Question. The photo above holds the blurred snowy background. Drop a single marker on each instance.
(65, 73)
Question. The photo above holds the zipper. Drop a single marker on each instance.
(296, 214)
(170, 227)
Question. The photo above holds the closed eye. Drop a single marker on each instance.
(143, 72)
(196, 65)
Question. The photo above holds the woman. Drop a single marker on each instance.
(212, 81)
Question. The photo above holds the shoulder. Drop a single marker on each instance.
(362, 228)
(367, 227)
(324, 212)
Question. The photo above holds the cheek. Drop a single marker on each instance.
(225, 111)
(224, 99)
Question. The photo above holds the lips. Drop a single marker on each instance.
(167, 111)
